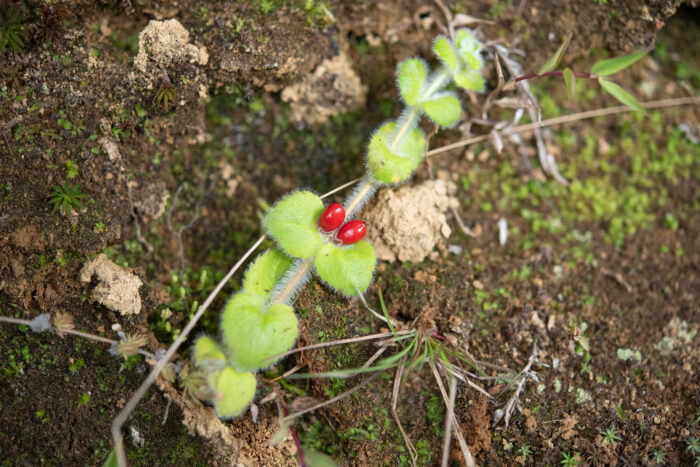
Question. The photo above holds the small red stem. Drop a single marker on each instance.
(297, 442)
(552, 73)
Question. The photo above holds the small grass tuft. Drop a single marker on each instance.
(571, 459)
(66, 197)
(611, 436)
(12, 31)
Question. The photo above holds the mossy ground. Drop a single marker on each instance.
(615, 253)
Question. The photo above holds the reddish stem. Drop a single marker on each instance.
(552, 73)
(297, 442)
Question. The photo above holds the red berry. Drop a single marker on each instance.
(332, 217)
(352, 232)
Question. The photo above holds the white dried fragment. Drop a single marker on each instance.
(118, 287)
(136, 437)
(502, 231)
(454, 249)
(41, 323)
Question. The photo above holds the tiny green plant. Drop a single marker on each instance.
(84, 399)
(658, 456)
(12, 30)
(693, 446)
(71, 169)
(525, 451)
(611, 436)
(165, 95)
(570, 459)
(67, 197)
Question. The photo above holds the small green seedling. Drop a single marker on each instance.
(66, 197)
(525, 451)
(693, 446)
(658, 456)
(12, 31)
(611, 436)
(571, 459)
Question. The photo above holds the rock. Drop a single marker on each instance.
(408, 223)
(333, 88)
(118, 287)
(150, 198)
(163, 43)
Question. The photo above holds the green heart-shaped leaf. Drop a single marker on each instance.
(445, 52)
(208, 355)
(347, 269)
(234, 391)
(470, 80)
(254, 333)
(411, 75)
(292, 223)
(267, 269)
(387, 166)
(444, 109)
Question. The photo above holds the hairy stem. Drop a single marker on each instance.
(293, 282)
(26, 322)
(358, 197)
(405, 123)
(440, 79)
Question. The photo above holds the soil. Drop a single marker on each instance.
(177, 161)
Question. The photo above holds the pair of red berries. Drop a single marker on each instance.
(333, 217)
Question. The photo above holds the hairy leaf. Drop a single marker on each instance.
(411, 76)
(234, 391)
(554, 60)
(570, 81)
(619, 93)
(346, 269)
(445, 52)
(292, 223)
(468, 48)
(255, 333)
(267, 269)
(473, 60)
(613, 65)
(470, 80)
(444, 109)
(208, 355)
(394, 166)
